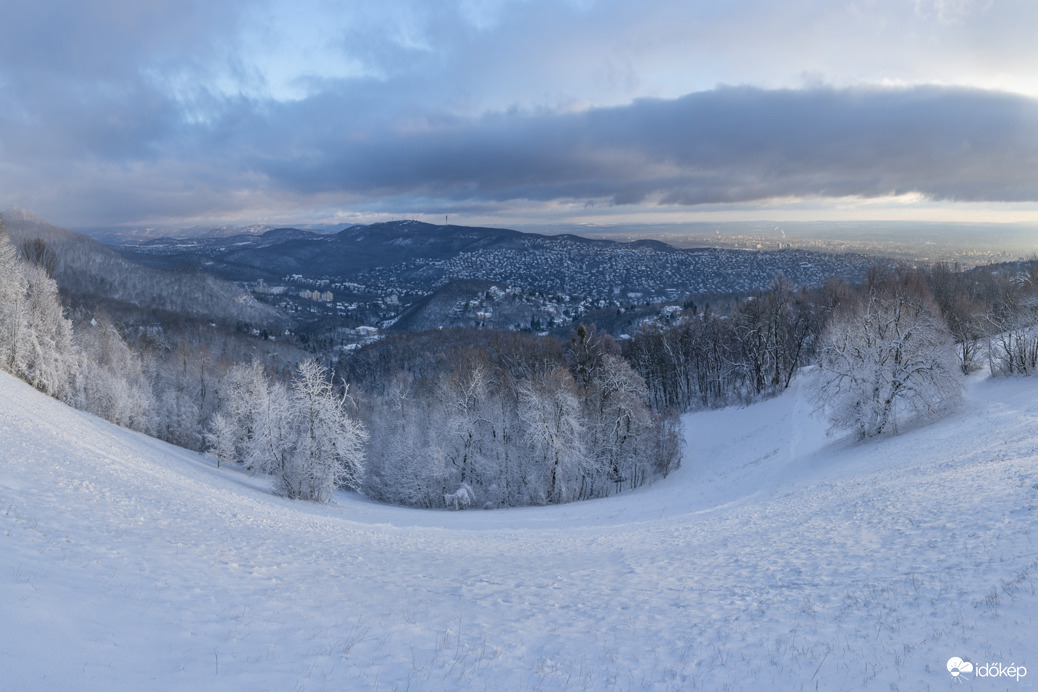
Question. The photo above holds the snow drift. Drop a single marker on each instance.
(775, 558)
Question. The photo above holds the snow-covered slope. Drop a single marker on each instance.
(774, 559)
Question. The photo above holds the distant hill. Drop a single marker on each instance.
(119, 236)
(350, 251)
(427, 256)
(96, 275)
(407, 275)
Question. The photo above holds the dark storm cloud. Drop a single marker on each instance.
(725, 145)
(134, 110)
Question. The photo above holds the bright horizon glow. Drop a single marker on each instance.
(908, 208)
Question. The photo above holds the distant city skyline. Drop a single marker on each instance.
(509, 113)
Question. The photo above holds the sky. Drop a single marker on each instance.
(155, 113)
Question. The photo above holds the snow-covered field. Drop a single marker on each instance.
(776, 558)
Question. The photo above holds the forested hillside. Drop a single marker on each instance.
(466, 418)
(92, 275)
(511, 421)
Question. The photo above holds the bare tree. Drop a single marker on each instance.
(37, 252)
(1012, 315)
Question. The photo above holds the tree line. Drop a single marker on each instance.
(454, 418)
(891, 350)
(478, 418)
(732, 353)
(177, 392)
(468, 417)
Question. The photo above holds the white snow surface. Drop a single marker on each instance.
(774, 559)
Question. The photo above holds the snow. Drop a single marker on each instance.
(776, 558)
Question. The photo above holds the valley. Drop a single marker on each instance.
(408, 275)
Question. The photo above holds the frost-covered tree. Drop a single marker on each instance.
(182, 379)
(111, 382)
(473, 428)
(887, 357)
(301, 435)
(404, 464)
(220, 440)
(464, 396)
(493, 420)
(35, 337)
(328, 444)
(47, 356)
(271, 444)
(242, 394)
(618, 425)
(549, 407)
(12, 298)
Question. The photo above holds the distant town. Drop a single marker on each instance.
(501, 279)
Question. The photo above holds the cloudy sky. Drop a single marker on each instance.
(516, 112)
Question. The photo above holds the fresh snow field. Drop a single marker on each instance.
(775, 559)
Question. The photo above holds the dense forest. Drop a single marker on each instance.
(488, 418)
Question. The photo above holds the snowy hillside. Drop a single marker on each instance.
(774, 559)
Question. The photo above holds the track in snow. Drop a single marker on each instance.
(776, 558)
